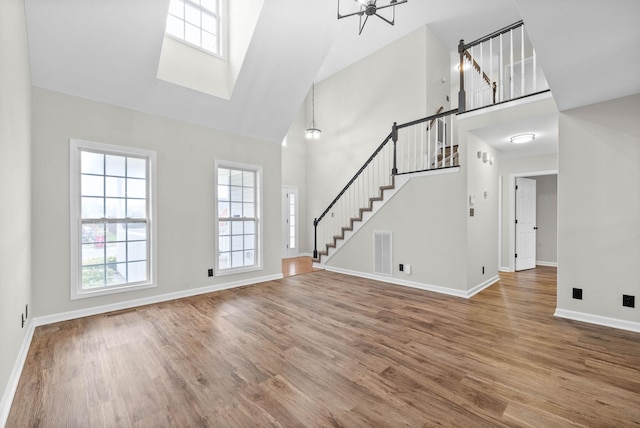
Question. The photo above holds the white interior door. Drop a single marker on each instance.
(289, 222)
(525, 223)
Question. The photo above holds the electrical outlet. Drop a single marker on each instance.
(401, 267)
(407, 269)
(483, 270)
(210, 272)
(628, 301)
(577, 293)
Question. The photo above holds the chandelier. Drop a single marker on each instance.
(367, 8)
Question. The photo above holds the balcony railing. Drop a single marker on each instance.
(500, 67)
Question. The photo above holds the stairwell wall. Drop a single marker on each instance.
(355, 109)
(427, 221)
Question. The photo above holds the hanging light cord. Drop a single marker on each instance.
(313, 105)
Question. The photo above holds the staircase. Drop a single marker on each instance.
(418, 146)
(428, 144)
(353, 220)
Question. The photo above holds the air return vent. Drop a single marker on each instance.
(382, 260)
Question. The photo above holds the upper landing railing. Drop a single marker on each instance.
(499, 67)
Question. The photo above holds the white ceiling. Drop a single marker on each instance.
(108, 51)
(544, 126)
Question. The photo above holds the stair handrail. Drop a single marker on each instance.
(431, 118)
(492, 35)
(393, 136)
(355, 177)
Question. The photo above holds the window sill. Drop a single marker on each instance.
(235, 271)
(85, 294)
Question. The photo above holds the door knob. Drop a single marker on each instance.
(535, 227)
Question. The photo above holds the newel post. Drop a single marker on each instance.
(394, 137)
(315, 238)
(461, 94)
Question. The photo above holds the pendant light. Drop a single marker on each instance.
(312, 132)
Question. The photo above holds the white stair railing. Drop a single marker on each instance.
(500, 67)
(417, 146)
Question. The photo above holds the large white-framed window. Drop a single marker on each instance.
(238, 214)
(197, 22)
(112, 207)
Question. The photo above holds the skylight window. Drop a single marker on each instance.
(197, 22)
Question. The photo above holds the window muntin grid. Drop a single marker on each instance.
(196, 22)
(114, 221)
(237, 212)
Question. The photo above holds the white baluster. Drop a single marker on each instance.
(522, 86)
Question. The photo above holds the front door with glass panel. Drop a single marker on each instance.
(289, 222)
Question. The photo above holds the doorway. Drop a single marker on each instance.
(546, 220)
(289, 222)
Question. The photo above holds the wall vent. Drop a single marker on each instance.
(382, 260)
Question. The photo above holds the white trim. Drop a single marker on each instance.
(257, 169)
(14, 377)
(512, 210)
(506, 105)
(75, 216)
(598, 320)
(500, 204)
(65, 316)
(426, 287)
(505, 269)
(551, 264)
(486, 284)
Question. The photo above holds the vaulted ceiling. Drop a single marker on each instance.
(108, 51)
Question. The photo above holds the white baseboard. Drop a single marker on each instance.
(14, 378)
(550, 264)
(478, 288)
(298, 255)
(65, 316)
(505, 269)
(599, 320)
(427, 287)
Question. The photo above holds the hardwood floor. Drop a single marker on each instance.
(324, 349)
(297, 266)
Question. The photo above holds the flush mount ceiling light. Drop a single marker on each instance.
(523, 138)
(367, 8)
(313, 133)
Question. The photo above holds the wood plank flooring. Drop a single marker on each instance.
(324, 349)
(297, 266)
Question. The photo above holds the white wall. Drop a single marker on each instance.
(15, 190)
(185, 200)
(547, 219)
(427, 219)
(294, 173)
(599, 208)
(482, 228)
